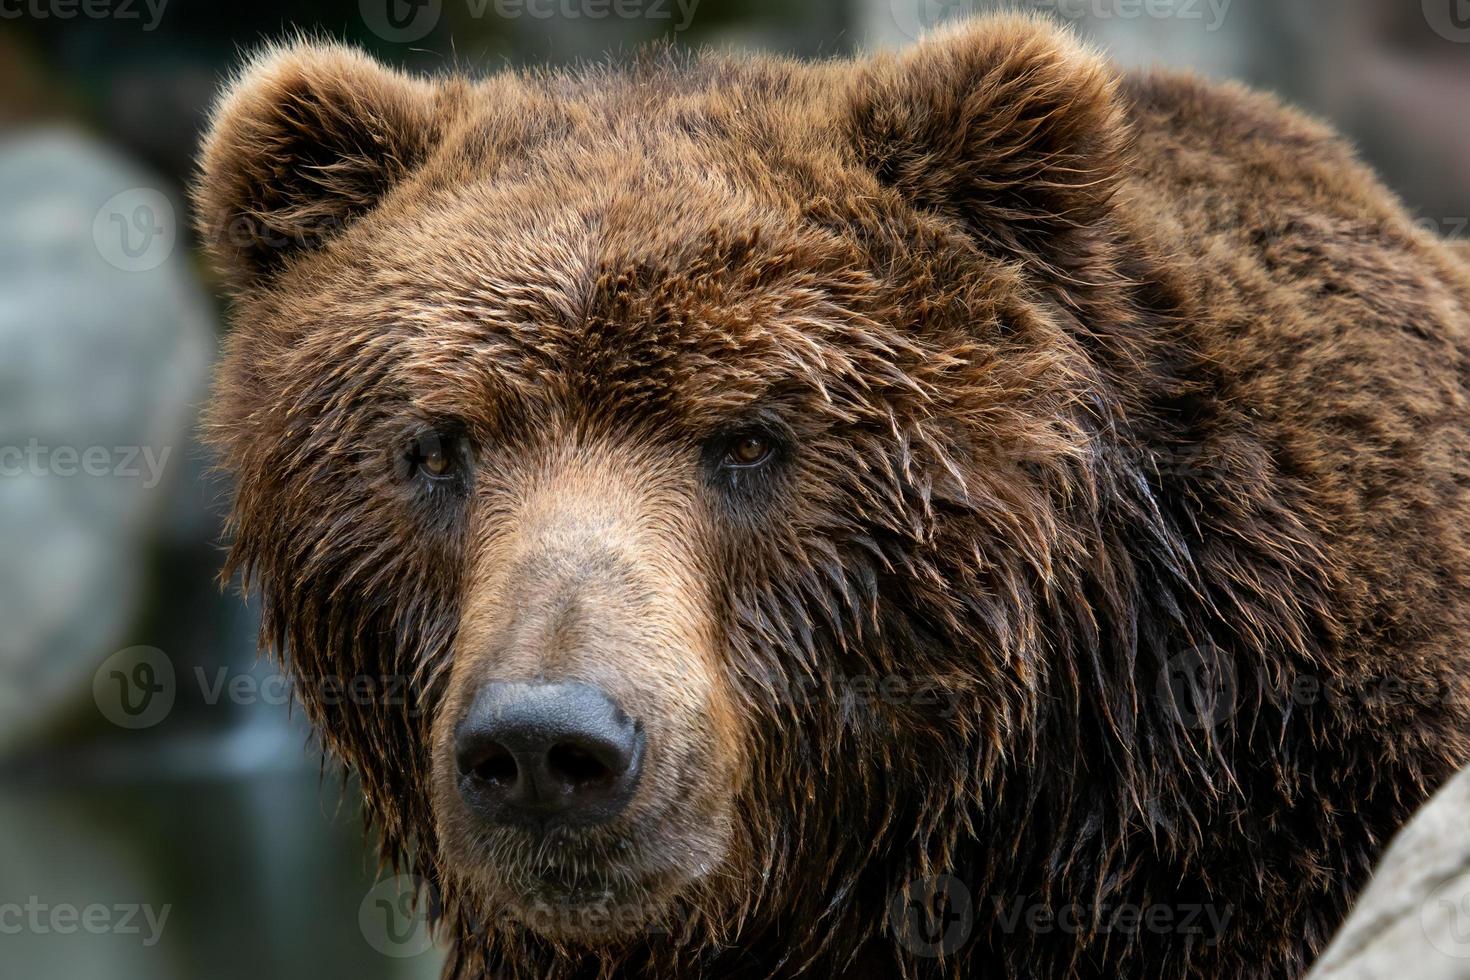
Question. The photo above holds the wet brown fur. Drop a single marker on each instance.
(1078, 377)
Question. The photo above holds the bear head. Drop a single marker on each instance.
(663, 480)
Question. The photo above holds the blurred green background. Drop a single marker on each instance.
(163, 812)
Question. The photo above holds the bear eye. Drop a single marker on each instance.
(746, 450)
(434, 455)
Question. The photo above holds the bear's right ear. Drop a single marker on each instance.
(1005, 123)
(309, 137)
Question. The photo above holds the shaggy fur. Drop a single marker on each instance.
(1075, 380)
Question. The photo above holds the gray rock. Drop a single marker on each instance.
(1413, 920)
(105, 342)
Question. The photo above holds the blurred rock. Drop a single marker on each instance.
(1413, 920)
(105, 341)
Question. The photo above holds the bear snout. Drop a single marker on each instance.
(539, 754)
(587, 753)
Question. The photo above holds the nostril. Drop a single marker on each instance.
(577, 765)
(532, 753)
(497, 766)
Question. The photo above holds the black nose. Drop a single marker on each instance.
(538, 754)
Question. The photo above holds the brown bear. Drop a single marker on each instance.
(963, 512)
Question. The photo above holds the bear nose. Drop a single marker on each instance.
(538, 754)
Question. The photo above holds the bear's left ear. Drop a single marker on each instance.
(308, 138)
(1007, 124)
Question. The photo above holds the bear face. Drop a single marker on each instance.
(559, 380)
(705, 501)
